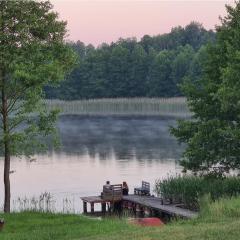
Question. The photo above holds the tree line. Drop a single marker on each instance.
(151, 67)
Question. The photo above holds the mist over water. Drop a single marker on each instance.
(125, 138)
(93, 150)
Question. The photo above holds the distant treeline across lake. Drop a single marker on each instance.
(151, 67)
(165, 107)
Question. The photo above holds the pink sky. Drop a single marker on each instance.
(106, 21)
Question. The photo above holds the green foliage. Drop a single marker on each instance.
(189, 190)
(153, 66)
(160, 73)
(213, 136)
(33, 54)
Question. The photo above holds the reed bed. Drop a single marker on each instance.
(171, 107)
(42, 203)
(189, 190)
(45, 202)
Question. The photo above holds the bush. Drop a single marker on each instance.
(188, 190)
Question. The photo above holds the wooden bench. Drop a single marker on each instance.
(112, 193)
(144, 190)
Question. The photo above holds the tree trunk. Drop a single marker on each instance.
(7, 178)
(6, 140)
(5, 144)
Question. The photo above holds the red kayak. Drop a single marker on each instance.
(151, 222)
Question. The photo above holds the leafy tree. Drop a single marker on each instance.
(194, 34)
(93, 78)
(213, 136)
(137, 72)
(195, 70)
(32, 54)
(146, 42)
(118, 71)
(180, 67)
(80, 48)
(160, 75)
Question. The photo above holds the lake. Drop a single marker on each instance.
(93, 150)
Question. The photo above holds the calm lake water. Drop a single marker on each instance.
(96, 149)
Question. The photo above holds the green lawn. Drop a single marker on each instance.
(218, 221)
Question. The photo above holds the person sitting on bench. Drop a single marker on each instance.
(107, 185)
(125, 188)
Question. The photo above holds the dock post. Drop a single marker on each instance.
(92, 207)
(147, 211)
(142, 212)
(138, 210)
(152, 212)
(111, 207)
(124, 204)
(134, 209)
(84, 207)
(104, 208)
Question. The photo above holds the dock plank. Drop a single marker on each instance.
(93, 199)
(155, 203)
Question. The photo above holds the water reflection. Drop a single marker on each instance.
(96, 149)
(121, 138)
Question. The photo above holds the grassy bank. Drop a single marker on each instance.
(219, 220)
(169, 107)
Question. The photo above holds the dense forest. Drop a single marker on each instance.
(151, 67)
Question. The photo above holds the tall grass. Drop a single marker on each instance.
(45, 202)
(188, 190)
(219, 209)
(173, 107)
(42, 203)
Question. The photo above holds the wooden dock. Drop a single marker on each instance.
(155, 203)
(109, 196)
(92, 200)
(140, 203)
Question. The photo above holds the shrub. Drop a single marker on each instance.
(188, 190)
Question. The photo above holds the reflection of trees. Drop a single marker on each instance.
(125, 138)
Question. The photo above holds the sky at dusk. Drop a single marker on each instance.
(98, 21)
